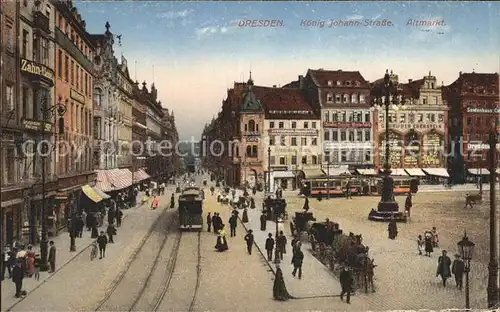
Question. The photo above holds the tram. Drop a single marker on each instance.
(191, 209)
(402, 185)
(332, 186)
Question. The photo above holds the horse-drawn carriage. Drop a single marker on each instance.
(275, 207)
(472, 199)
(302, 223)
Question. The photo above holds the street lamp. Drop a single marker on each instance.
(493, 291)
(386, 96)
(47, 111)
(466, 249)
(269, 169)
(276, 218)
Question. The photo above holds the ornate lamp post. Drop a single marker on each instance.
(388, 95)
(466, 249)
(493, 291)
(57, 110)
(269, 169)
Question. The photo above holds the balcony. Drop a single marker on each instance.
(41, 21)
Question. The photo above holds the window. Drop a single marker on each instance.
(304, 160)
(24, 48)
(9, 96)
(81, 80)
(351, 135)
(86, 85)
(45, 52)
(327, 116)
(330, 83)
(60, 22)
(432, 85)
(335, 135)
(255, 151)
(281, 125)
(313, 125)
(367, 135)
(303, 141)
(420, 117)
(402, 117)
(354, 98)
(66, 68)
(436, 99)
(430, 118)
(367, 117)
(314, 159)
(359, 136)
(335, 116)
(358, 116)
(343, 135)
(271, 124)
(326, 135)
(314, 141)
(9, 42)
(59, 63)
(272, 140)
(381, 118)
(294, 160)
(327, 157)
(368, 156)
(25, 101)
(282, 140)
(337, 98)
(306, 125)
(81, 119)
(251, 125)
(282, 161)
(350, 116)
(294, 141)
(294, 124)
(362, 98)
(441, 118)
(273, 160)
(339, 83)
(97, 97)
(392, 117)
(424, 100)
(346, 98)
(72, 77)
(329, 97)
(342, 117)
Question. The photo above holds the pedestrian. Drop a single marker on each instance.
(263, 221)
(348, 193)
(220, 224)
(102, 241)
(111, 231)
(428, 243)
(172, 201)
(249, 240)
(297, 259)
(7, 253)
(209, 221)
(111, 215)
(270, 247)
(221, 244)
(281, 244)
(420, 245)
(435, 237)
(79, 226)
(30, 261)
(443, 268)
(458, 269)
(155, 202)
(306, 205)
(244, 218)
(233, 222)
(52, 257)
(17, 277)
(119, 216)
(392, 228)
(346, 282)
(214, 223)
(408, 204)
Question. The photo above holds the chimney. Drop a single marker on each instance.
(460, 73)
(410, 80)
(301, 82)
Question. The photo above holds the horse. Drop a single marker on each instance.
(368, 272)
(472, 199)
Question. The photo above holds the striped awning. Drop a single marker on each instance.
(103, 182)
(415, 172)
(91, 193)
(120, 178)
(140, 175)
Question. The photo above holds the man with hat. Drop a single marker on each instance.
(458, 268)
(249, 239)
(346, 281)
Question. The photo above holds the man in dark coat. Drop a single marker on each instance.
(233, 222)
(209, 222)
(281, 244)
(408, 204)
(220, 224)
(297, 259)
(270, 247)
(249, 240)
(52, 257)
(102, 241)
(214, 222)
(172, 201)
(392, 228)
(17, 277)
(306, 205)
(443, 269)
(111, 215)
(458, 269)
(111, 231)
(119, 216)
(346, 282)
(263, 221)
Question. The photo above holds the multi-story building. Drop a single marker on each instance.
(473, 100)
(418, 128)
(73, 87)
(36, 87)
(171, 158)
(292, 130)
(125, 89)
(343, 97)
(139, 128)
(11, 125)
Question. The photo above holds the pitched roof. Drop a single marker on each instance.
(321, 77)
(412, 89)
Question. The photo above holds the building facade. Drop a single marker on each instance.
(170, 157)
(139, 128)
(418, 127)
(73, 87)
(12, 184)
(125, 87)
(473, 100)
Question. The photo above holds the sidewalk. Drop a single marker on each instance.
(64, 257)
(313, 271)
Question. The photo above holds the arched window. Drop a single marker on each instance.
(354, 98)
(251, 125)
(98, 97)
(346, 98)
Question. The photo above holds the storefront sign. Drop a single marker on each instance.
(413, 126)
(279, 168)
(480, 146)
(294, 132)
(36, 125)
(301, 149)
(430, 160)
(478, 110)
(347, 125)
(37, 69)
(252, 139)
(77, 96)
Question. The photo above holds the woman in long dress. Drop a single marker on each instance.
(428, 243)
(30, 261)
(221, 244)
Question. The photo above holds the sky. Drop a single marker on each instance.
(195, 51)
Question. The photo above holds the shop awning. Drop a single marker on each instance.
(140, 175)
(415, 172)
(282, 174)
(101, 193)
(103, 182)
(398, 172)
(476, 171)
(335, 171)
(313, 173)
(437, 172)
(120, 178)
(367, 171)
(91, 193)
